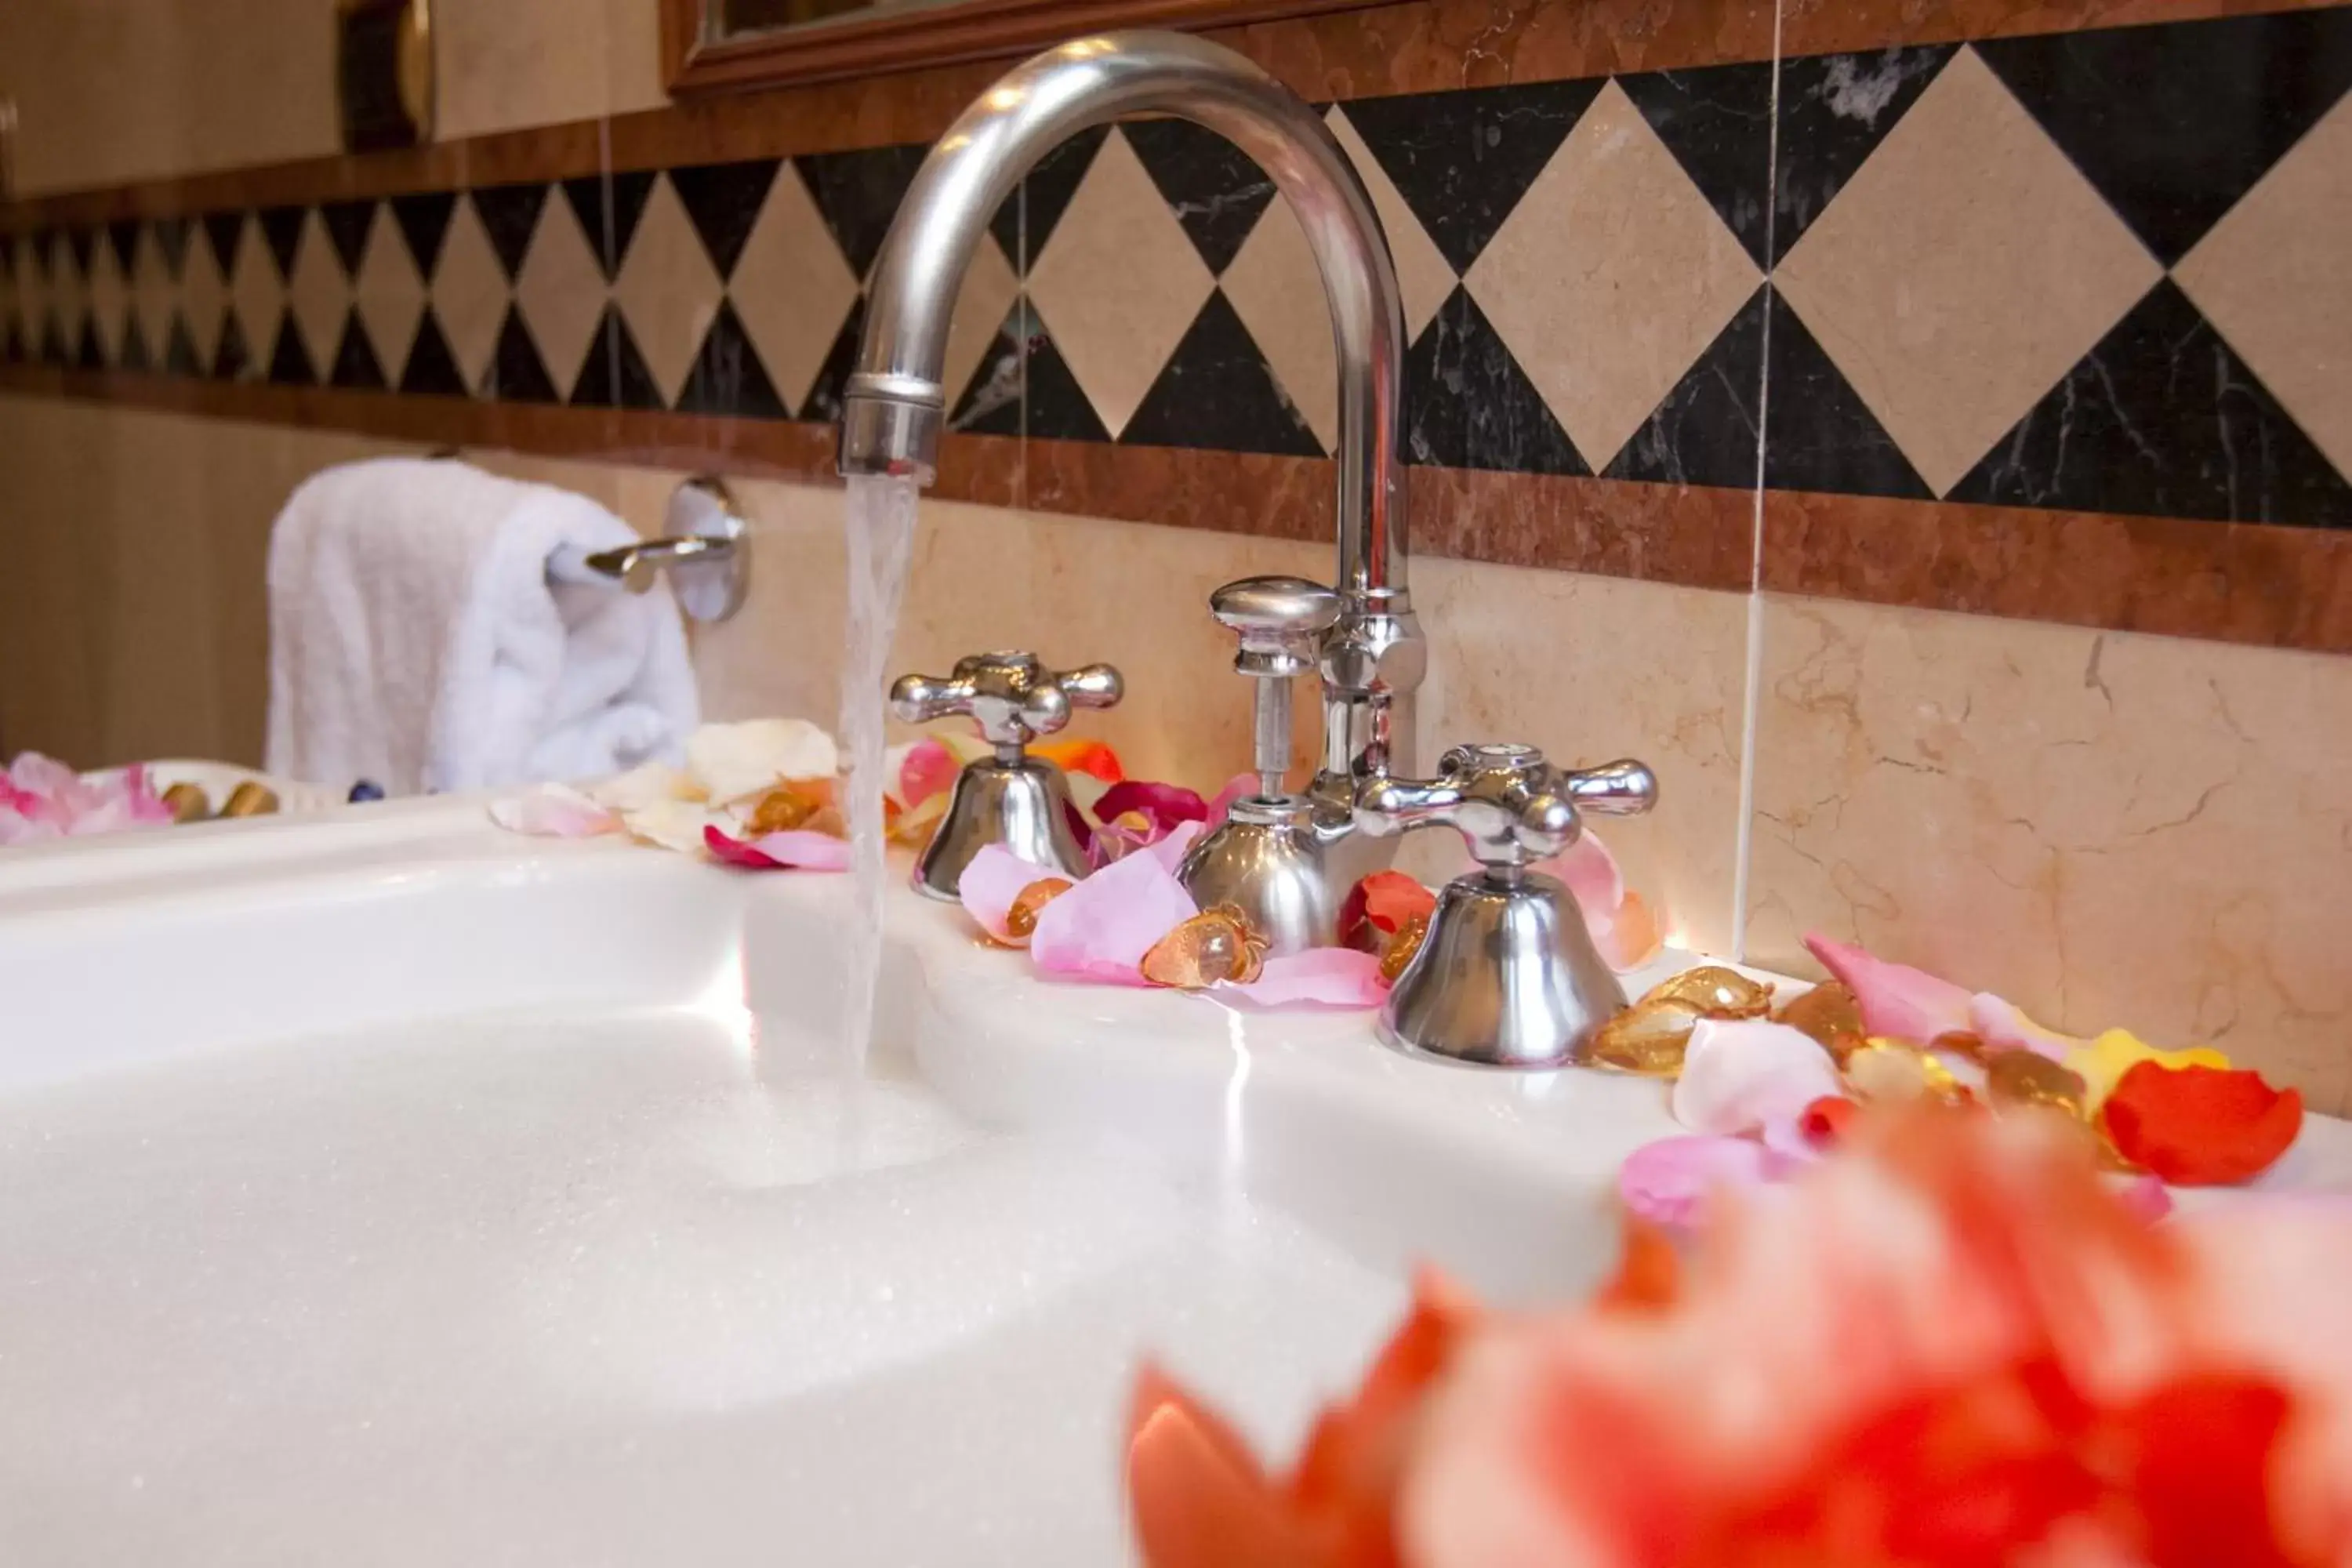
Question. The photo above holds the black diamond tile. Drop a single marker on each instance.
(516, 373)
(1463, 160)
(289, 362)
(2174, 124)
(509, 216)
(1834, 112)
(81, 243)
(723, 202)
(349, 224)
(2161, 418)
(1819, 434)
(55, 348)
(859, 192)
(991, 402)
(823, 401)
(133, 354)
(1704, 432)
(1044, 196)
(180, 351)
(1215, 189)
(231, 357)
(122, 239)
(224, 232)
(1717, 123)
(8, 253)
(355, 364)
(727, 376)
(1215, 391)
(423, 220)
(89, 353)
(11, 347)
(616, 375)
(171, 238)
(1469, 405)
(281, 230)
(432, 370)
(608, 208)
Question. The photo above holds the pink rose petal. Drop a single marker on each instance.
(1747, 1074)
(990, 884)
(2003, 1025)
(1896, 999)
(1101, 929)
(796, 851)
(1237, 786)
(1670, 1182)
(930, 769)
(553, 811)
(1590, 873)
(1319, 978)
(2147, 1196)
(1170, 851)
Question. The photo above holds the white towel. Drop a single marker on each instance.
(415, 639)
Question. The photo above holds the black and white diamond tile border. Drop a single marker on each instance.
(2097, 270)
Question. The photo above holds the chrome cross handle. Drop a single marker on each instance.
(1507, 801)
(1011, 695)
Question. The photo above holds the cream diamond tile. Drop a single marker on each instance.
(1611, 276)
(109, 301)
(319, 292)
(1274, 288)
(1423, 276)
(668, 291)
(390, 296)
(256, 299)
(793, 287)
(154, 293)
(204, 301)
(988, 289)
(1962, 271)
(470, 293)
(560, 293)
(2272, 277)
(1119, 283)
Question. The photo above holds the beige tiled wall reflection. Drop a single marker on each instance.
(2106, 828)
(114, 90)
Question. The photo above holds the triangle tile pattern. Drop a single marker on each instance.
(355, 364)
(616, 375)
(608, 208)
(172, 235)
(1469, 405)
(1212, 186)
(55, 350)
(1835, 110)
(423, 220)
(122, 239)
(859, 192)
(1461, 160)
(823, 401)
(133, 354)
(2163, 418)
(81, 243)
(89, 353)
(2174, 124)
(432, 369)
(790, 288)
(231, 358)
(727, 376)
(222, 232)
(989, 404)
(281, 230)
(515, 373)
(348, 225)
(1215, 391)
(510, 216)
(1717, 123)
(1705, 431)
(1820, 435)
(1025, 222)
(289, 364)
(180, 354)
(723, 202)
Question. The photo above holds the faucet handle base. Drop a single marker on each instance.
(1024, 805)
(1269, 860)
(1507, 976)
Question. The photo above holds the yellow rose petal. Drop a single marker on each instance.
(2105, 1060)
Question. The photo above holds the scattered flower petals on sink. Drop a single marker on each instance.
(1670, 1182)
(1081, 756)
(2102, 1062)
(990, 885)
(1378, 906)
(1748, 1075)
(732, 760)
(927, 768)
(1896, 1000)
(794, 849)
(41, 798)
(1170, 851)
(1238, 787)
(1319, 978)
(2002, 1025)
(2201, 1126)
(678, 825)
(1101, 929)
(553, 811)
(648, 784)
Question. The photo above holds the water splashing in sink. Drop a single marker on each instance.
(881, 521)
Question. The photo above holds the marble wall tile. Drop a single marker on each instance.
(2106, 828)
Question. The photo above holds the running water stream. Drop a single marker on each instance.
(881, 522)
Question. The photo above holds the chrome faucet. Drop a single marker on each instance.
(1370, 654)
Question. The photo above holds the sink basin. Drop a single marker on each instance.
(387, 1189)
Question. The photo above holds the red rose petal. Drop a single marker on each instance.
(2198, 1126)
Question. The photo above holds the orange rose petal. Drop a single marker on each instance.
(1824, 1122)
(2197, 1126)
(1649, 1274)
(1082, 757)
(1198, 1498)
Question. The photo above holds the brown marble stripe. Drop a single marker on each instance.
(1833, 27)
(2246, 582)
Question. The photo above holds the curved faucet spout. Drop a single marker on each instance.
(895, 405)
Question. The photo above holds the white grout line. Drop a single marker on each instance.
(1751, 687)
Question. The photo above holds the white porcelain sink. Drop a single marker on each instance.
(389, 1190)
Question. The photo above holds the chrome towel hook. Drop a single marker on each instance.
(706, 548)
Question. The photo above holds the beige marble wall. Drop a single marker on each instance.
(113, 90)
(2106, 828)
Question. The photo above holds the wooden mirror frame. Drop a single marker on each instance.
(947, 34)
